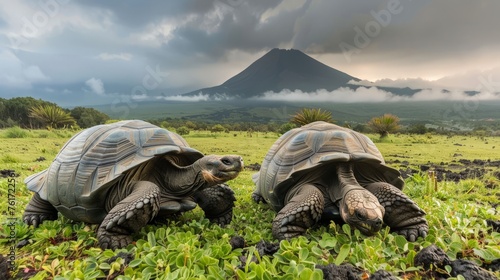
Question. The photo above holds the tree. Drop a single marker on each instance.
(286, 127)
(18, 110)
(217, 128)
(88, 117)
(51, 116)
(383, 125)
(183, 130)
(417, 129)
(307, 115)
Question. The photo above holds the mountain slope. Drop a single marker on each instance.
(277, 70)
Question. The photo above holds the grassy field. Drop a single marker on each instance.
(455, 115)
(192, 248)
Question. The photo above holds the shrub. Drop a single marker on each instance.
(384, 125)
(51, 115)
(183, 130)
(306, 116)
(286, 127)
(16, 132)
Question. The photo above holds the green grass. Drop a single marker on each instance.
(192, 248)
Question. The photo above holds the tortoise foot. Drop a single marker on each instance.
(258, 198)
(109, 240)
(300, 213)
(402, 214)
(411, 233)
(217, 202)
(38, 210)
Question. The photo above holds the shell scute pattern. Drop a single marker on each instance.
(97, 156)
(312, 146)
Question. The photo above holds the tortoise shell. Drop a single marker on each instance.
(95, 158)
(318, 145)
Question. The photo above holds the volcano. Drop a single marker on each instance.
(277, 70)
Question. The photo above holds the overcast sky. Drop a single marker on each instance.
(65, 50)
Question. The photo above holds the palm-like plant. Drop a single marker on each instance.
(383, 125)
(307, 115)
(51, 116)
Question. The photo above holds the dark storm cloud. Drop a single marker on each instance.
(79, 45)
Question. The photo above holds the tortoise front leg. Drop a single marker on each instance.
(217, 202)
(402, 215)
(300, 213)
(38, 210)
(129, 216)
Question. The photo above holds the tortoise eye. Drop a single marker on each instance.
(360, 216)
(225, 161)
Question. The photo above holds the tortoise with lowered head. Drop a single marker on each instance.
(125, 174)
(322, 171)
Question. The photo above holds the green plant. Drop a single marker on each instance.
(52, 116)
(183, 130)
(384, 124)
(307, 115)
(16, 132)
(189, 246)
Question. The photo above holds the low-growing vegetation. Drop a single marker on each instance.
(463, 219)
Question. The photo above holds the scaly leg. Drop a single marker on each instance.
(402, 215)
(129, 216)
(38, 210)
(300, 213)
(217, 202)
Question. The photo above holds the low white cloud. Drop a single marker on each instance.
(373, 94)
(413, 83)
(115, 56)
(96, 86)
(194, 98)
(139, 97)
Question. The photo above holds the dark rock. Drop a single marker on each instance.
(464, 161)
(424, 167)
(40, 159)
(470, 271)
(382, 275)
(4, 268)
(493, 266)
(457, 155)
(237, 242)
(342, 272)
(22, 243)
(432, 256)
(8, 173)
(267, 248)
(494, 224)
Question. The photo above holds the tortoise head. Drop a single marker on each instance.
(361, 209)
(219, 169)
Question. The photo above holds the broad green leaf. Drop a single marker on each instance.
(343, 253)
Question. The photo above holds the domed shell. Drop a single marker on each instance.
(96, 157)
(315, 146)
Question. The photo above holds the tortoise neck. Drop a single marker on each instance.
(179, 180)
(347, 180)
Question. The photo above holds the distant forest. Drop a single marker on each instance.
(31, 113)
(21, 111)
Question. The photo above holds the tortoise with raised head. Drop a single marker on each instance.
(322, 171)
(125, 174)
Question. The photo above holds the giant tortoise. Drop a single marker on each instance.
(125, 174)
(322, 171)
